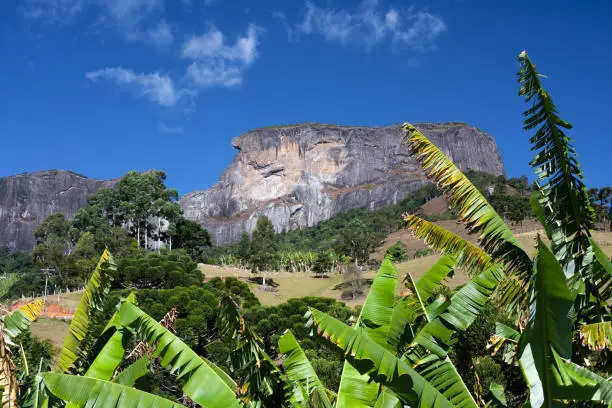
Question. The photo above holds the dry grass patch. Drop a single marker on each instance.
(51, 329)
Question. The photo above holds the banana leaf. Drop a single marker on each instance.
(480, 217)
(111, 354)
(467, 255)
(370, 358)
(387, 399)
(97, 288)
(547, 337)
(133, 372)
(439, 335)
(202, 383)
(596, 336)
(94, 393)
(299, 369)
(564, 199)
(259, 379)
(355, 389)
(8, 381)
(19, 320)
(428, 353)
(584, 385)
(410, 310)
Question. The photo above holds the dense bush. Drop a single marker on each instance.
(157, 271)
(397, 252)
(271, 322)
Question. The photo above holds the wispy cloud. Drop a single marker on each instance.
(53, 11)
(216, 63)
(160, 35)
(282, 17)
(157, 87)
(135, 20)
(170, 129)
(211, 62)
(370, 25)
(210, 59)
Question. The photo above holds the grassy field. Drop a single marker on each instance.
(52, 329)
(297, 285)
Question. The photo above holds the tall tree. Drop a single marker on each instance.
(263, 245)
(604, 195)
(190, 236)
(244, 246)
(358, 241)
(140, 202)
(57, 228)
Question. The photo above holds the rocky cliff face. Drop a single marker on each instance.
(26, 199)
(302, 174)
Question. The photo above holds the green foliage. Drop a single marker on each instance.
(489, 372)
(397, 252)
(203, 383)
(12, 262)
(423, 252)
(327, 262)
(272, 321)
(35, 351)
(196, 310)
(190, 236)
(511, 205)
(263, 248)
(328, 234)
(512, 208)
(58, 229)
(92, 299)
(153, 270)
(357, 241)
(601, 201)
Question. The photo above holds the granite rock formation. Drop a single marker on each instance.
(26, 199)
(299, 175)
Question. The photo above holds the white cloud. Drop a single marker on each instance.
(217, 63)
(160, 35)
(170, 129)
(370, 25)
(212, 45)
(214, 73)
(391, 18)
(130, 13)
(212, 62)
(159, 88)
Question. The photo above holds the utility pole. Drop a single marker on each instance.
(46, 271)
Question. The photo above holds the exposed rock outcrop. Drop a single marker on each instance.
(299, 175)
(26, 199)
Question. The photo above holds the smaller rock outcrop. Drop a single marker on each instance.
(27, 198)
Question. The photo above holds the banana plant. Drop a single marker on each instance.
(575, 273)
(92, 299)
(298, 369)
(260, 381)
(13, 324)
(394, 326)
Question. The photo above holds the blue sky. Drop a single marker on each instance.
(102, 87)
